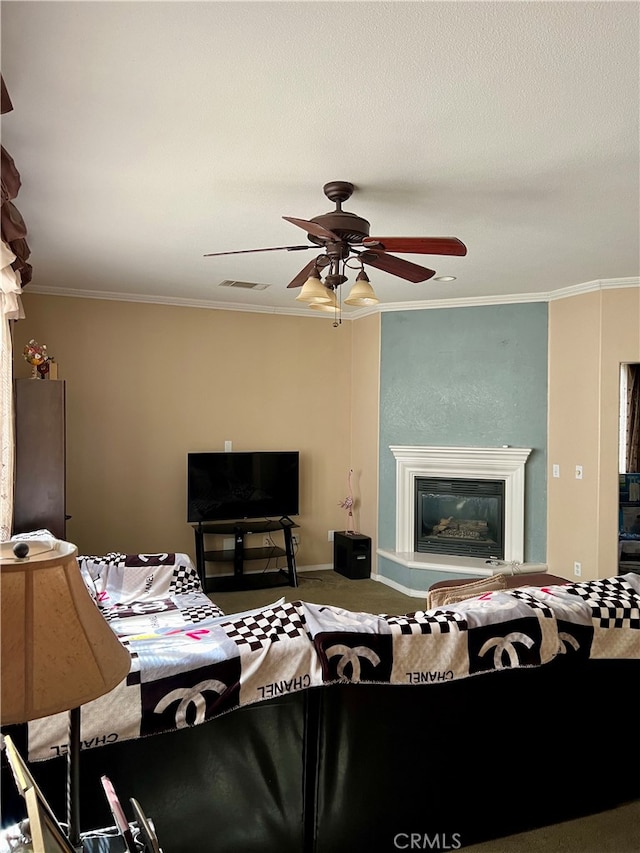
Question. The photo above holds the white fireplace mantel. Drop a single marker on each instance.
(489, 463)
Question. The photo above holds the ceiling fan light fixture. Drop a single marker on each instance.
(330, 306)
(314, 291)
(362, 294)
(336, 233)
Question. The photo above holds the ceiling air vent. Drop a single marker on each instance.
(246, 285)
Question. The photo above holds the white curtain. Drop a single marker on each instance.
(10, 309)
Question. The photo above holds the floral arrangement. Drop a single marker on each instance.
(36, 355)
(348, 504)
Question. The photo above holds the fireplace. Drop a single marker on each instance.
(463, 517)
(468, 467)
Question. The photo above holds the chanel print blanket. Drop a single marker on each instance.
(185, 674)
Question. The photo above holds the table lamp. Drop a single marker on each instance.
(57, 649)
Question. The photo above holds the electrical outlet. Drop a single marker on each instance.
(330, 535)
(578, 472)
(295, 540)
(556, 470)
(266, 541)
(577, 569)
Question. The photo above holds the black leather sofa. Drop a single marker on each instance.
(365, 767)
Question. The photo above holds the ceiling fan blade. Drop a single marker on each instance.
(417, 245)
(313, 228)
(248, 251)
(304, 273)
(396, 266)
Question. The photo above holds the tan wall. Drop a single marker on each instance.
(365, 407)
(147, 383)
(589, 337)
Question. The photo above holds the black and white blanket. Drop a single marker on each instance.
(185, 674)
(141, 593)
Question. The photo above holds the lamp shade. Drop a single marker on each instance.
(362, 293)
(331, 304)
(313, 290)
(57, 650)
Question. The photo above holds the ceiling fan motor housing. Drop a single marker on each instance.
(347, 226)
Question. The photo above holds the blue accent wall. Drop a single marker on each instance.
(465, 377)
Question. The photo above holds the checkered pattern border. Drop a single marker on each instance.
(113, 558)
(135, 674)
(184, 579)
(614, 603)
(267, 627)
(200, 613)
(616, 617)
(431, 622)
(531, 600)
(607, 588)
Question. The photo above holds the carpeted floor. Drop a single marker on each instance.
(613, 831)
(325, 587)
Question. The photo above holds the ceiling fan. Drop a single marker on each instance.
(339, 232)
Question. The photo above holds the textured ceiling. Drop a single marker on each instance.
(150, 133)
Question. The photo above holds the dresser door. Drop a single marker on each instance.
(39, 498)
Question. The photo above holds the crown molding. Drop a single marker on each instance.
(173, 301)
(427, 304)
(592, 286)
(514, 298)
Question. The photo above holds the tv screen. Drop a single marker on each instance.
(260, 484)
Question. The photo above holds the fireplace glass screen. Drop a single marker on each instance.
(460, 517)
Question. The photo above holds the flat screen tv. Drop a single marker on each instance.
(233, 485)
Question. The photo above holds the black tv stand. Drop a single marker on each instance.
(239, 554)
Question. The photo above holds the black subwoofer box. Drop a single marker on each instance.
(352, 554)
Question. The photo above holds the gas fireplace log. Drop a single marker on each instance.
(461, 527)
(442, 525)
